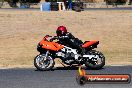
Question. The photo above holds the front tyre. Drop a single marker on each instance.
(96, 62)
(43, 63)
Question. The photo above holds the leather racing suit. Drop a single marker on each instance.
(69, 40)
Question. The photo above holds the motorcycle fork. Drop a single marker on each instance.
(46, 55)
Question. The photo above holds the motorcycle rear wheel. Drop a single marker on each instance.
(43, 65)
(97, 65)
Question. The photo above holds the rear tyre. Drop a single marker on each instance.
(43, 65)
(98, 63)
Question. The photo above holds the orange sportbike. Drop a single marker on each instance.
(50, 50)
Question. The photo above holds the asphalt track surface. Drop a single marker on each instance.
(58, 78)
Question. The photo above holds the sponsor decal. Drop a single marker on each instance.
(83, 78)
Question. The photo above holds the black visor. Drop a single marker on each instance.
(59, 32)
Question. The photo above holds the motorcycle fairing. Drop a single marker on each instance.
(51, 45)
(89, 43)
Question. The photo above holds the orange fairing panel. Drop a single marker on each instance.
(51, 45)
(89, 43)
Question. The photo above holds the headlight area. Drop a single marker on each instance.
(39, 47)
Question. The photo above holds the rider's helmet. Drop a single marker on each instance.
(61, 30)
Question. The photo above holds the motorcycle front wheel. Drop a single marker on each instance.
(95, 63)
(43, 63)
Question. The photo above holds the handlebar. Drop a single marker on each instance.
(53, 37)
(48, 36)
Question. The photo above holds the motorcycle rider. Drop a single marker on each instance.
(66, 38)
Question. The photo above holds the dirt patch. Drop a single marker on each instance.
(20, 31)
